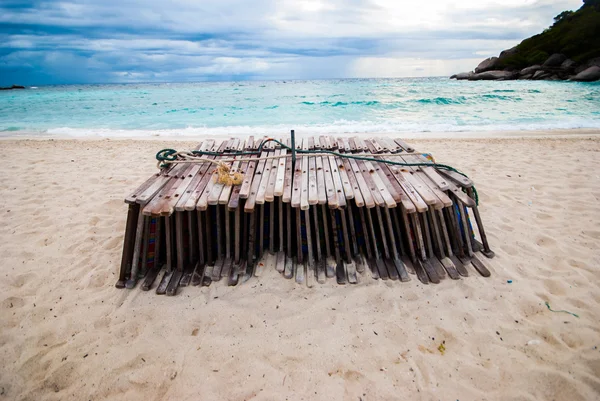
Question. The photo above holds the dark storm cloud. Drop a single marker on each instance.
(46, 42)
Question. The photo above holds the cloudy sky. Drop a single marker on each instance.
(96, 41)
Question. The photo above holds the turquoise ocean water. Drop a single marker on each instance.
(414, 105)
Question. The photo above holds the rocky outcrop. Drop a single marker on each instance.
(12, 87)
(555, 60)
(487, 65)
(568, 64)
(508, 53)
(563, 51)
(556, 67)
(462, 75)
(588, 64)
(530, 70)
(590, 74)
(493, 76)
(540, 75)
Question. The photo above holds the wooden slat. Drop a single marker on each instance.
(431, 172)
(352, 145)
(337, 181)
(457, 178)
(266, 176)
(168, 206)
(197, 191)
(362, 184)
(387, 183)
(280, 177)
(234, 199)
(132, 198)
(399, 194)
(217, 187)
(374, 146)
(154, 207)
(182, 189)
(407, 177)
(258, 175)
(368, 176)
(348, 190)
(305, 170)
(210, 179)
(313, 195)
(183, 199)
(364, 171)
(332, 200)
(321, 189)
(380, 186)
(360, 145)
(392, 146)
(444, 199)
(358, 198)
(235, 167)
(406, 147)
(421, 188)
(145, 188)
(160, 182)
(149, 193)
(409, 190)
(248, 178)
(332, 183)
(464, 198)
(270, 192)
(381, 145)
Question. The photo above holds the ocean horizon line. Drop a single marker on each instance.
(219, 81)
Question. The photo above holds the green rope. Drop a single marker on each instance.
(564, 311)
(169, 155)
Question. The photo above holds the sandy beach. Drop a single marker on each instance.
(68, 334)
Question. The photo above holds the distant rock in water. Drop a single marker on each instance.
(462, 75)
(493, 76)
(568, 50)
(12, 87)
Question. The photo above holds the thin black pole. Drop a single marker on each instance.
(293, 150)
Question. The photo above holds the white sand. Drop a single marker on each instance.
(68, 333)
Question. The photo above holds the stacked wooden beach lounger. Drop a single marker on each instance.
(327, 216)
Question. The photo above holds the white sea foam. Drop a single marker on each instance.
(339, 127)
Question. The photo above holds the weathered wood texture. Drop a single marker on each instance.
(344, 214)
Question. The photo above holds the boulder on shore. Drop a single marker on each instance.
(555, 60)
(540, 75)
(492, 76)
(530, 70)
(588, 64)
(462, 75)
(590, 74)
(568, 64)
(487, 65)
